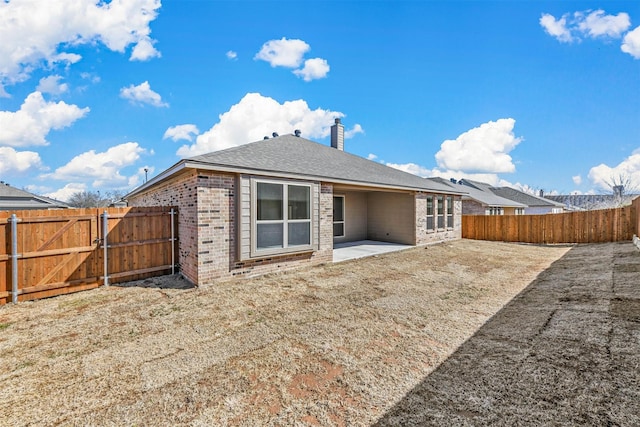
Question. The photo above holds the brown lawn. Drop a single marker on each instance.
(338, 344)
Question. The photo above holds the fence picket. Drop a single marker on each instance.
(606, 225)
(61, 251)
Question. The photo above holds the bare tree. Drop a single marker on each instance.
(622, 187)
(93, 199)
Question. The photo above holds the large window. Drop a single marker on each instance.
(338, 216)
(430, 213)
(440, 211)
(449, 212)
(282, 216)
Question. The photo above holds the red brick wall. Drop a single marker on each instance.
(207, 227)
(178, 191)
(424, 236)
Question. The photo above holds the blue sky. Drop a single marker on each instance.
(533, 94)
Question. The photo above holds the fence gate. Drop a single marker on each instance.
(46, 253)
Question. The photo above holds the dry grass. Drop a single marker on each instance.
(333, 345)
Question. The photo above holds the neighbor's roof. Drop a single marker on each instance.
(481, 192)
(290, 156)
(14, 199)
(592, 201)
(522, 197)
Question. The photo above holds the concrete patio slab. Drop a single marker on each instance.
(364, 248)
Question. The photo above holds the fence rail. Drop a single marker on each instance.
(51, 252)
(605, 225)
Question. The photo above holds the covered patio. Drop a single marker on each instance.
(364, 248)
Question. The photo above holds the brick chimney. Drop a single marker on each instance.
(337, 135)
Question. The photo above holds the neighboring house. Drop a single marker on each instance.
(481, 200)
(534, 205)
(282, 202)
(13, 199)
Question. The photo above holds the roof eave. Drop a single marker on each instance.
(266, 172)
(158, 178)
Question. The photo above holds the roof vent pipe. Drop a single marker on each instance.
(275, 134)
(297, 132)
(266, 137)
(337, 135)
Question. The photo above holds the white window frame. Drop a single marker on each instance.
(285, 221)
(344, 209)
(449, 208)
(440, 213)
(519, 211)
(495, 210)
(432, 216)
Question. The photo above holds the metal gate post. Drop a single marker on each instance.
(105, 231)
(14, 258)
(173, 244)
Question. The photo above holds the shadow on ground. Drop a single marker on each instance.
(173, 281)
(565, 351)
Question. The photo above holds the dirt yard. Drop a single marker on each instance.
(343, 344)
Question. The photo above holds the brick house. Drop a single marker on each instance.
(481, 200)
(282, 202)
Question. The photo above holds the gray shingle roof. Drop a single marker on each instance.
(288, 154)
(481, 192)
(12, 198)
(592, 201)
(522, 197)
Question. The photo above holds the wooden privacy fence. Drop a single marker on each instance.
(51, 252)
(605, 225)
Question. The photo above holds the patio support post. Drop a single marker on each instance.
(14, 258)
(105, 231)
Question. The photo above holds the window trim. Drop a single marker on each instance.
(431, 229)
(449, 210)
(344, 210)
(440, 213)
(494, 210)
(255, 252)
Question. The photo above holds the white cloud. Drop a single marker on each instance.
(64, 194)
(603, 175)
(593, 24)
(283, 52)
(412, 168)
(597, 24)
(479, 154)
(12, 161)
(483, 149)
(144, 50)
(256, 116)
(142, 94)
(631, 43)
(35, 119)
(316, 68)
(232, 55)
(372, 156)
(350, 133)
(186, 132)
(52, 85)
(556, 27)
(34, 32)
(577, 180)
(104, 168)
(91, 77)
